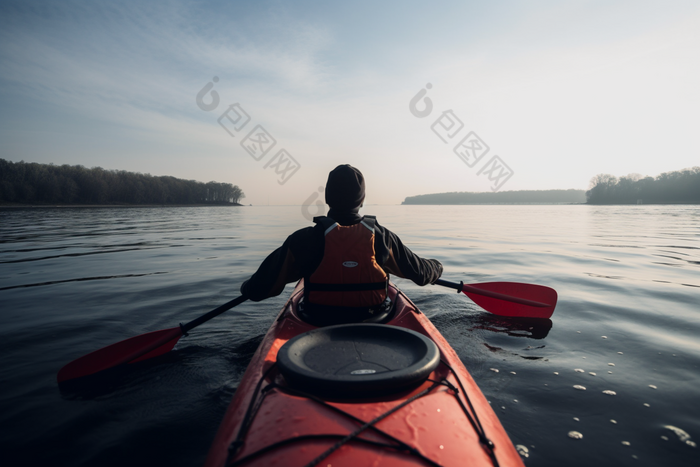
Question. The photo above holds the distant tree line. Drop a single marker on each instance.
(682, 186)
(501, 197)
(24, 182)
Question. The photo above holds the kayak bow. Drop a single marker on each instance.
(393, 394)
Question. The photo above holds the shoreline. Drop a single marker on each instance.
(552, 204)
(62, 206)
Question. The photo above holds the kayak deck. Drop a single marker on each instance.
(444, 421)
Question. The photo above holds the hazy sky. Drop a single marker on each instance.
(559, 91)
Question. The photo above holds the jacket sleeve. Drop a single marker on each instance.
(395, 258)
(265, 282)
(286, 264)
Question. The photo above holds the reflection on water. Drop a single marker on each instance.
(109, 382)
(74, 280)
(531, 328)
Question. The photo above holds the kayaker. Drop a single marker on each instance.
(345, 260)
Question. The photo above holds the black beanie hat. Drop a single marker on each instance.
(345, 189)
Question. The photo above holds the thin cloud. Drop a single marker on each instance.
(103, 58)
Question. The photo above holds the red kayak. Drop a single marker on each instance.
(356, 395)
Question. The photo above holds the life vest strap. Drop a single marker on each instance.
(311, 286)
(367, 221)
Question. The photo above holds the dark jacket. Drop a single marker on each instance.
(302, 252)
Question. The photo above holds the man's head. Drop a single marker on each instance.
(345, 189)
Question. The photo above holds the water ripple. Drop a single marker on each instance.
(80, 279)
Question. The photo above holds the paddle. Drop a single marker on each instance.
(513, 299)
(137, 348)
(500, 298)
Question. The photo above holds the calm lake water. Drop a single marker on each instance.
(626, 328)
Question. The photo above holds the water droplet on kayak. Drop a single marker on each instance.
(578, 370)
(652, 386)
(575, 435)
(626, 443)
(522, 450)
(591, 373)
(442, 447)
(609, 392)
(579, 387)
(438, 410)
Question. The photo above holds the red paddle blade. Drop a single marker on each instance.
(536, 301)
(131, 350)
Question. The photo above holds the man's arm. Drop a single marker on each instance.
(395, 258)
(266, 281)
(286, 264)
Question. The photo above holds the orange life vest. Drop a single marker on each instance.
(348, 275)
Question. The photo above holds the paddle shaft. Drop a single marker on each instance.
(182, 330)
(212, 314)
(460, 287)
